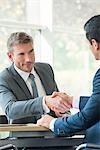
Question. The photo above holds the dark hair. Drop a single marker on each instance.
(18, 38)
(92, 28)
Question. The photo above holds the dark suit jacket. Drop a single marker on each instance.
(16, 99)
(87, 119)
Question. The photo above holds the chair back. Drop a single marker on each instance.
(3, 119)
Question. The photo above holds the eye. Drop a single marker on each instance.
(21, 54)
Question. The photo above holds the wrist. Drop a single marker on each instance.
(47, 101)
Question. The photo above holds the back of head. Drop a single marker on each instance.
(92, 28)
(18, 38)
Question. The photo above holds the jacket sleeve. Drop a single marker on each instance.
(84, 119)
(14, 102)
(82, 102)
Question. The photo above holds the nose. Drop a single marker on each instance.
(27, 58)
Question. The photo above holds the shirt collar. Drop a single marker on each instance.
(24, 74)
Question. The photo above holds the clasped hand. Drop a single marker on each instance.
(59, 102)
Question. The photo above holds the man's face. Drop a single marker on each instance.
(23, 56)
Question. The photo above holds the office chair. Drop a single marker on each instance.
(8, 147)
(3, 119)
(90, 146)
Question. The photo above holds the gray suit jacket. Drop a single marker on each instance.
(15, 97)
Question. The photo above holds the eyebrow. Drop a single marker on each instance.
(31, 50)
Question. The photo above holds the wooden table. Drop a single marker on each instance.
(21, 127)
(37, 137)
(25, 130)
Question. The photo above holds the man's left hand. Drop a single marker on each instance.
(45, 121)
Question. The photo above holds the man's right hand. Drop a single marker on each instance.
(65, 97)
(59, 103)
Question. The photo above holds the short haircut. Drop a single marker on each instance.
(92, 28)
(18, 38)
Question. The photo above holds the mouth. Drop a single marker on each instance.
(28, 63)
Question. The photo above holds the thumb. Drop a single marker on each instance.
(54, 94)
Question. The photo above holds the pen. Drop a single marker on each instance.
(66, 112)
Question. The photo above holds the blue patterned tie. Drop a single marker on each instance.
(33, 84)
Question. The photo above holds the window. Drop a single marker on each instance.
(74, 64)
(64, 45)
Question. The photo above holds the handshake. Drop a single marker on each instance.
(60, 103)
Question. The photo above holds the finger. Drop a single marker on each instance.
(59, 94)
(60, 109)
(62, 98)
(66, 104)
(58, 114)
(65, 115)
(62, 114)
(67, 100)
(39, 122)
(54, 94)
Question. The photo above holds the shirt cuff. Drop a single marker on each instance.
(75, 103)
(45, 107)
(51, 127)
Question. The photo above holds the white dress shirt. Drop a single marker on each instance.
(40, 88)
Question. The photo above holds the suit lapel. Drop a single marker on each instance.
(42, 75)
(20, 81)
(44, 80)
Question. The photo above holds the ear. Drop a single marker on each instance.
(10, 55)
(95, 44)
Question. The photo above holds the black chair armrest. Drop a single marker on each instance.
(88, 145)
(8, 147)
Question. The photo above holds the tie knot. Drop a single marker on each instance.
(31, 76)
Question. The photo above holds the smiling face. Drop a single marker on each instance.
(23, 56)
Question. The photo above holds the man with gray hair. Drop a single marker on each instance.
(23, 98)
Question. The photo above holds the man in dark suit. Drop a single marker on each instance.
(17, 98)
(89, 117)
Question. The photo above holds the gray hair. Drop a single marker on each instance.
(18, 38)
